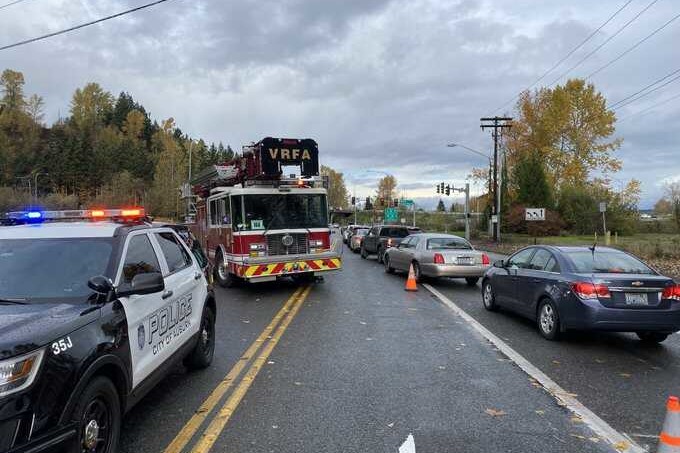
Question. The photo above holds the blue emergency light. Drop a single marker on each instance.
(34, 215)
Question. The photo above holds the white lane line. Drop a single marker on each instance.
(409, 446)
(620, 442)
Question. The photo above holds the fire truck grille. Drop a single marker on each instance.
(275, 244)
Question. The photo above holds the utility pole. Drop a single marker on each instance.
(496, 123)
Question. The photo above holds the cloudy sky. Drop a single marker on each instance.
(382, 85)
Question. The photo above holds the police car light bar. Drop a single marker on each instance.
(95, 214)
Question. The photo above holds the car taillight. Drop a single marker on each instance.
(671, 292)
(485, 259)
(438, 258)
(585, 290)
(390, 242)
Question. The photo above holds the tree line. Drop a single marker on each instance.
(108, 151)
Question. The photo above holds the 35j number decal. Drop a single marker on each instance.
(62, 345)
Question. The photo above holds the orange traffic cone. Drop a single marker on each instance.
(411, 280)
(669, 440)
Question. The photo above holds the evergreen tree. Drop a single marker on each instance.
(532, 184)
(440, 206)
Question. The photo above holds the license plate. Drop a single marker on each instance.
(636, 299)
(465, 260)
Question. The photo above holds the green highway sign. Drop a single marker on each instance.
(405, 202)
(391, 215)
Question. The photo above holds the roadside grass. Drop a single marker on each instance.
(648, 245)
(660, 250)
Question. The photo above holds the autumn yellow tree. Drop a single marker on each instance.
(171, 171)
(337, 191)
(387, 190)
(570, 128)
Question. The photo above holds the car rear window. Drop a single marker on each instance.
(394, 232)
(448, 244)
(363, 232)
(607, 262)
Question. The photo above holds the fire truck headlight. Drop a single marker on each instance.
(257, 247)
(316, 243)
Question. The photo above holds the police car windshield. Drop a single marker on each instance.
(41, 270)
(267, 212)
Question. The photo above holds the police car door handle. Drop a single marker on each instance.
(167, 294)
(197, 275)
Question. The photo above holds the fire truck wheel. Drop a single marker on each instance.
(224, 278)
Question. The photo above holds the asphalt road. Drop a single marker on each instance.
(622, 380)
(360, 366)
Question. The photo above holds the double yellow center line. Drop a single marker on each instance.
(282, 319)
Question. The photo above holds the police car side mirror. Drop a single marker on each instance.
(100, 284)
(147, 283)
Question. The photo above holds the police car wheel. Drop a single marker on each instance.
(202, 355)
(98, 416)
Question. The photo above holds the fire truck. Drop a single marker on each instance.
(258, 223)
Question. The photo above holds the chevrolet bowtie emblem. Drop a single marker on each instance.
(637, 283)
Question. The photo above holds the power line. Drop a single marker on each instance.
(647, 93)
(658, 104)
(590, 54)
(672, 73)
(571, 52)
(634, 46)
(87, 24)
(7, 5)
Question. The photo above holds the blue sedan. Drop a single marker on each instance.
(584, 288)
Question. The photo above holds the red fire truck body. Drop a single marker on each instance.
(256, 225)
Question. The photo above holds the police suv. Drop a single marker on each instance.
(95, 307)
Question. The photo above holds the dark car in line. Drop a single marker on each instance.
(584, 288)
(382, 237)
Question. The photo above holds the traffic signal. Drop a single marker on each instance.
(437, 188)
(441, 187)
(448, 190)
(396, 203)
(354, 201)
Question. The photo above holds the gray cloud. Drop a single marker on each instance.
(380, 84)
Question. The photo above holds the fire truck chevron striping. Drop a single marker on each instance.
(290, 267)
(258, 225)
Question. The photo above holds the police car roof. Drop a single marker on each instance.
(62, 230)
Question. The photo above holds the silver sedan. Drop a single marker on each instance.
(437, 255)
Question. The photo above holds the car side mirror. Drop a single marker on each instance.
(499, 263)
(100, 284)
(148, 283)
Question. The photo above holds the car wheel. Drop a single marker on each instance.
(488, 298)
(386, 262)
(98, 416)
(364, 254)
(224, 278)
(548, 320)
(417, 272)
(381, 255)
(202, 354)
(471, 281)
(652, 337)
